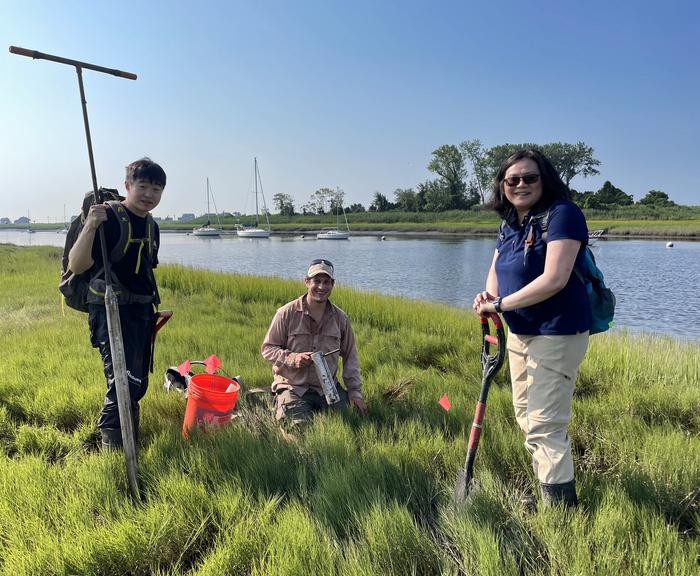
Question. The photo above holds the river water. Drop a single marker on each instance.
(657, 288)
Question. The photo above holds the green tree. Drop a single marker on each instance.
(609, 195)
(473, 152)
(406, 200)
(448, 163)
(472, 195)
(380, 203)
(585, 199)
(357, 207)
(572, 160)
(284, 204)
(319, 200)
(336, 199)
(656, 198)
(434, 196)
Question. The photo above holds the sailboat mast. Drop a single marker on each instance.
(208, 201)
(255, 159)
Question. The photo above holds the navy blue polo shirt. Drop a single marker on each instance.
(520, 262)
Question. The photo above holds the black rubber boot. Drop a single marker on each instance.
(529, 502)
(559, 494)
(111, 438)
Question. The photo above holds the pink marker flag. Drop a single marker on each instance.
(184, 368)
(212, 363)
(445, 402)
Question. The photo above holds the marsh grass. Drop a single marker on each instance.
(350, 495)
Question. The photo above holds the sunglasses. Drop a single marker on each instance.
(513, 181)
(324, 262)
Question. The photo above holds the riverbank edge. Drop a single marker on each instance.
(427, 231)
(477, 234)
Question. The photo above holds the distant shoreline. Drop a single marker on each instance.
(429, 231)
(691, 237)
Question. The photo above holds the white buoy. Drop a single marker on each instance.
(669, 244)
(303, 236)
(383, 237)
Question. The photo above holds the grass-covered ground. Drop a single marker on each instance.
(351, 495)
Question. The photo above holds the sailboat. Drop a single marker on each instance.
(208, 229)
(336, 233)
(30, 230)
(256, 231)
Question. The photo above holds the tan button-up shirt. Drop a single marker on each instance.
(294, 330)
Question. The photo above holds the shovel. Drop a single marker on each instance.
(490, 364)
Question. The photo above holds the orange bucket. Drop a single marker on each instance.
(211, 400)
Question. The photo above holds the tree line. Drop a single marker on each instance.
(464, 174)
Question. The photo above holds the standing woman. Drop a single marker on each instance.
(532, 282)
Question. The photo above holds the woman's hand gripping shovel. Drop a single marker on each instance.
(490, 364)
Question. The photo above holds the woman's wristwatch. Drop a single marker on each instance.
(497, 304)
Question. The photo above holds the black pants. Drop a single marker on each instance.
(137, 322)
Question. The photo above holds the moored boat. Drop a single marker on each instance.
(208, 230)
(256, 231)
(336, 233)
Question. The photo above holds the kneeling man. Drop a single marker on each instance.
(309, 324)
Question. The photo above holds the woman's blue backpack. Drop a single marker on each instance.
(600, 297)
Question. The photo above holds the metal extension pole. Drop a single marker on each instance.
(114, 328)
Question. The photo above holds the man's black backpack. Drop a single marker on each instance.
(74, 287)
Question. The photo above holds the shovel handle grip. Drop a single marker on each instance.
(161, 318)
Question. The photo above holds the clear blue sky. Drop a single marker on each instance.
(349, 94)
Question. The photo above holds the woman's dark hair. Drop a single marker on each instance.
(147, 170)
(553, 187)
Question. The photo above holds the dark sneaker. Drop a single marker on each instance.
(111, 438)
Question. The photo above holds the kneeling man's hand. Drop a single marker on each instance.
(301, 359)
(359, 403)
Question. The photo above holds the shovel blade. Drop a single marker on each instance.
(462, 486)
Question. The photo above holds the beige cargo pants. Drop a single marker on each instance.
(543, 373)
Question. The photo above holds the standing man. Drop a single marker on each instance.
(306, 325)
(132, 239)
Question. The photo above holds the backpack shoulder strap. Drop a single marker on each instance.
(151, 232)
(543, 219)
(544, 223)
(122, 245)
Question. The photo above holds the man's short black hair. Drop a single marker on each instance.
(147, 170)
